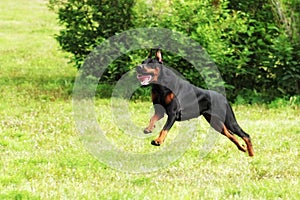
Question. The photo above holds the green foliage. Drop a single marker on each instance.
(273, 60)
(248, 96)
(255, 44)
(288, 45)
(281, 103)
(87, 23)
(252, 51)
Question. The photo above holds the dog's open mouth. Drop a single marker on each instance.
(144, 79)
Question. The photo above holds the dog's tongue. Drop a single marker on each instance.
(144, 79)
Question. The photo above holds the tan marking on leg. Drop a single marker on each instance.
(249, 146)
(151, 125)
(233, 139)
(161, 138)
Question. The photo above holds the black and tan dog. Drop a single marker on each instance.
(183, 101)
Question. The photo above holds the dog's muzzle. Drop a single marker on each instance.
(145, 79)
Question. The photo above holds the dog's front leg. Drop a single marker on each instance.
(158, 114)
(163, 133)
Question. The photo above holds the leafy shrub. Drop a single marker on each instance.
(86, 23)
(255, 49)
(293, 101)
(248, 96)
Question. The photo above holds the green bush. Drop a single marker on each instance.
(293, 101)
(87, 23)
(255, 50)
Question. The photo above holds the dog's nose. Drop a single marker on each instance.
(139, 68)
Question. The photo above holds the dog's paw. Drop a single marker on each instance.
(155, 143)
(147, 131)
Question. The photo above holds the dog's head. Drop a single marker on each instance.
(150, 69)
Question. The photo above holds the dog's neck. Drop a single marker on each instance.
(163, 82)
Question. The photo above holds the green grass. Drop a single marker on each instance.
(42, 156)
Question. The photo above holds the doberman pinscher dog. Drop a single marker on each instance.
(183, 101)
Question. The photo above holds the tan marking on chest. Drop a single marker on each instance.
(169, 98)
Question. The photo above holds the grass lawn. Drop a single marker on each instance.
(42, 156)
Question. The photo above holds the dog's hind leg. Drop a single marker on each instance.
(249, 146)
(234, 128)
(226, 132)
(221, 128)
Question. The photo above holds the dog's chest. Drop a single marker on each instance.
(184, 100)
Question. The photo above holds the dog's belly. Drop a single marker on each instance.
(189, 108)
(188, 100)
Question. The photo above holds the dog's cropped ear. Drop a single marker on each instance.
(159, 55)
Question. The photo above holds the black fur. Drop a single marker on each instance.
(183, 101)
